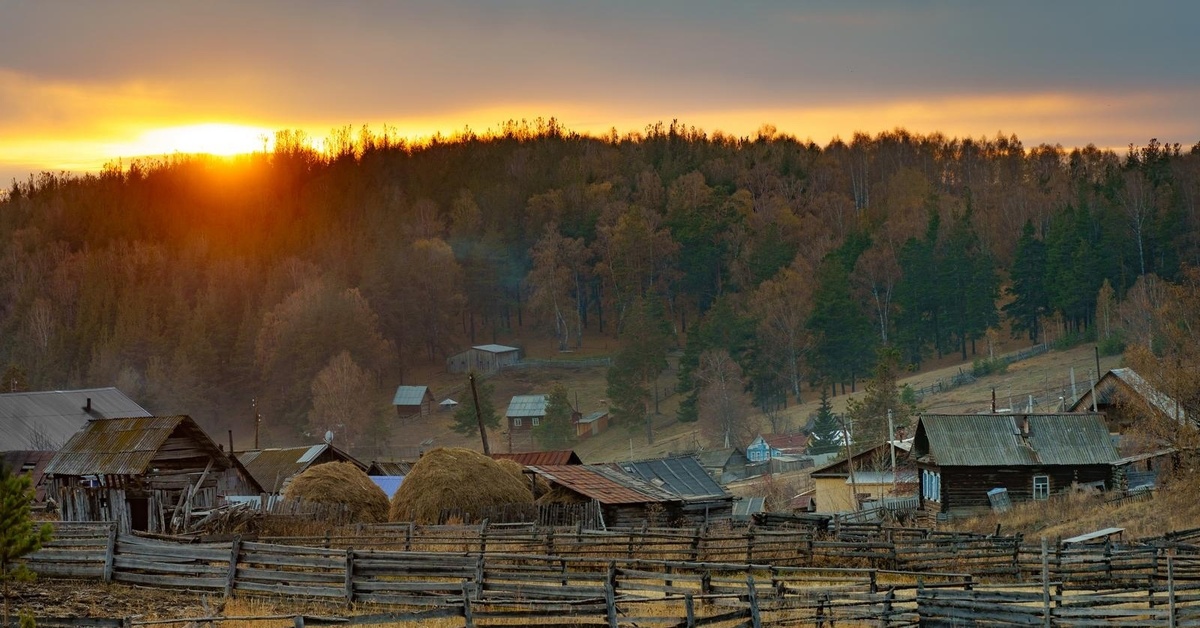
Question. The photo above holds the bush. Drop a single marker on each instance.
(1114, 344)
(993, 366)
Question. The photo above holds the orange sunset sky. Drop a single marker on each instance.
(86, 83)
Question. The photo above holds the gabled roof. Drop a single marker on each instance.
(683, 476)
(272, 468)
(523, 406)
(601, 484)
(1013, 440)
(411, 395)
(839, 468)
(551, 458)
(594, 416)
(717, 458)
(495, 348)
(787, 442)
(1109, 387)
(127, 446)
(45, 420)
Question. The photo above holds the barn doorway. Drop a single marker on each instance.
(139, 513)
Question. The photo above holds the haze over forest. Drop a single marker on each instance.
(310, 281)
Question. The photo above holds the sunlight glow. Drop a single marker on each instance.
(213, 139)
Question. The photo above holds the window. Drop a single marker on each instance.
(1041, 486)
(516, 422)
(536, 422)
(931, 485)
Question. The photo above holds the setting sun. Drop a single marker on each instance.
(213, 139)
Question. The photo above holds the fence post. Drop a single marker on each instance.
(349, 575)
(610, 601)
(468, 616)
(1171, 619)
(750, 544)
(752, 594)
(235, 548)
(110, 550)
(1045, 584)
(480, 576)
(550, 541)
(408, 537)
(689, 608)
(483, 526)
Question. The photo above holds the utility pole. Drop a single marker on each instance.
(892, 441)
(849, 464)
(487, 451)
(257, 420)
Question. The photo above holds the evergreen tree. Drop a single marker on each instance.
(868, 416)
(465, 421)
(918, 295)
(843, 334)
(1030, 300)
(556, 430)
(18, 535)
(826, 428)
(969, 283)
(637, 366)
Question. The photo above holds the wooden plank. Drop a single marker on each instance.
(160, 580)
(128, 562)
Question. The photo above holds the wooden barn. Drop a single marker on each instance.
(274, 469)
(483, 359)
(590, 425)
(1126, 399)
(702, 499)
(44, 420)
(836, 491)
(413, 401)
(145, 473)
(963, 458)
(624, 500)
(524, 413)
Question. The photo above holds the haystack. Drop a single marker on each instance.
(518, 471)
(456, 479)
(341, 483)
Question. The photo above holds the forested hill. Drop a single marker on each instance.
(313, 281)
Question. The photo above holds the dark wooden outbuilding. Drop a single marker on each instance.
(146, 473)
(960, 458)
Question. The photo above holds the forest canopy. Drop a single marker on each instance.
(196, 284)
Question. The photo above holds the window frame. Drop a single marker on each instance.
(1041, 492)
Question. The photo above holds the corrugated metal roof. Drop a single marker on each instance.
(594, 416)
(551, 458)
(122, 446)
(410, 395)
(389, 467)
(787, 442)
(45, 420)
(272, 468)
(683, 476)
(743, 508)
(1107, 392)
(495, 348)
(523, 406)
(1002, 440)
(597, 483)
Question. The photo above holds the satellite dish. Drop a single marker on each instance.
(329, 437)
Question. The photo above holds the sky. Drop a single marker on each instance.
(88, 83)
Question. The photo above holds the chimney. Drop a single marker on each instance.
(88, 408)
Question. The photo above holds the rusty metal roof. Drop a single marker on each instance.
(600, 484)
(542, 458)
(272, 468)
(44, 420)
(389, 467)
(1013, 440)
(126, 446)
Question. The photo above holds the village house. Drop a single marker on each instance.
(1126, 399)
(145, 473)
(844, 486)
(590, 425)
(413, 401)
(524, 413)
(773, 446)
(624, 500)
(44, 420)
(963, 458)
(702, 498)
(483, 359)
(724, 465)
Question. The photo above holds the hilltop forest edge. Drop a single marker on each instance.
(314, 281)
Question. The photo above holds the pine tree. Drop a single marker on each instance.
(826, 429)
(1030, 299)
(18, 536)
(555, 430)
(868, 416)
(465, 421)
(636, 368)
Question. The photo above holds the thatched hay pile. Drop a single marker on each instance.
(518, 471)
(341, 483)
(453, 478)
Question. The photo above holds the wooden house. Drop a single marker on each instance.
(842, 486)
(702, 499)
(413, 401)
(773, 446)
(274, 469)
(1125, 399)
(483, 359)
(724, 465)
(623, 499)
(524, 413)
(145, 473)
(31, 463)
(961, 458)
(44, 420)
